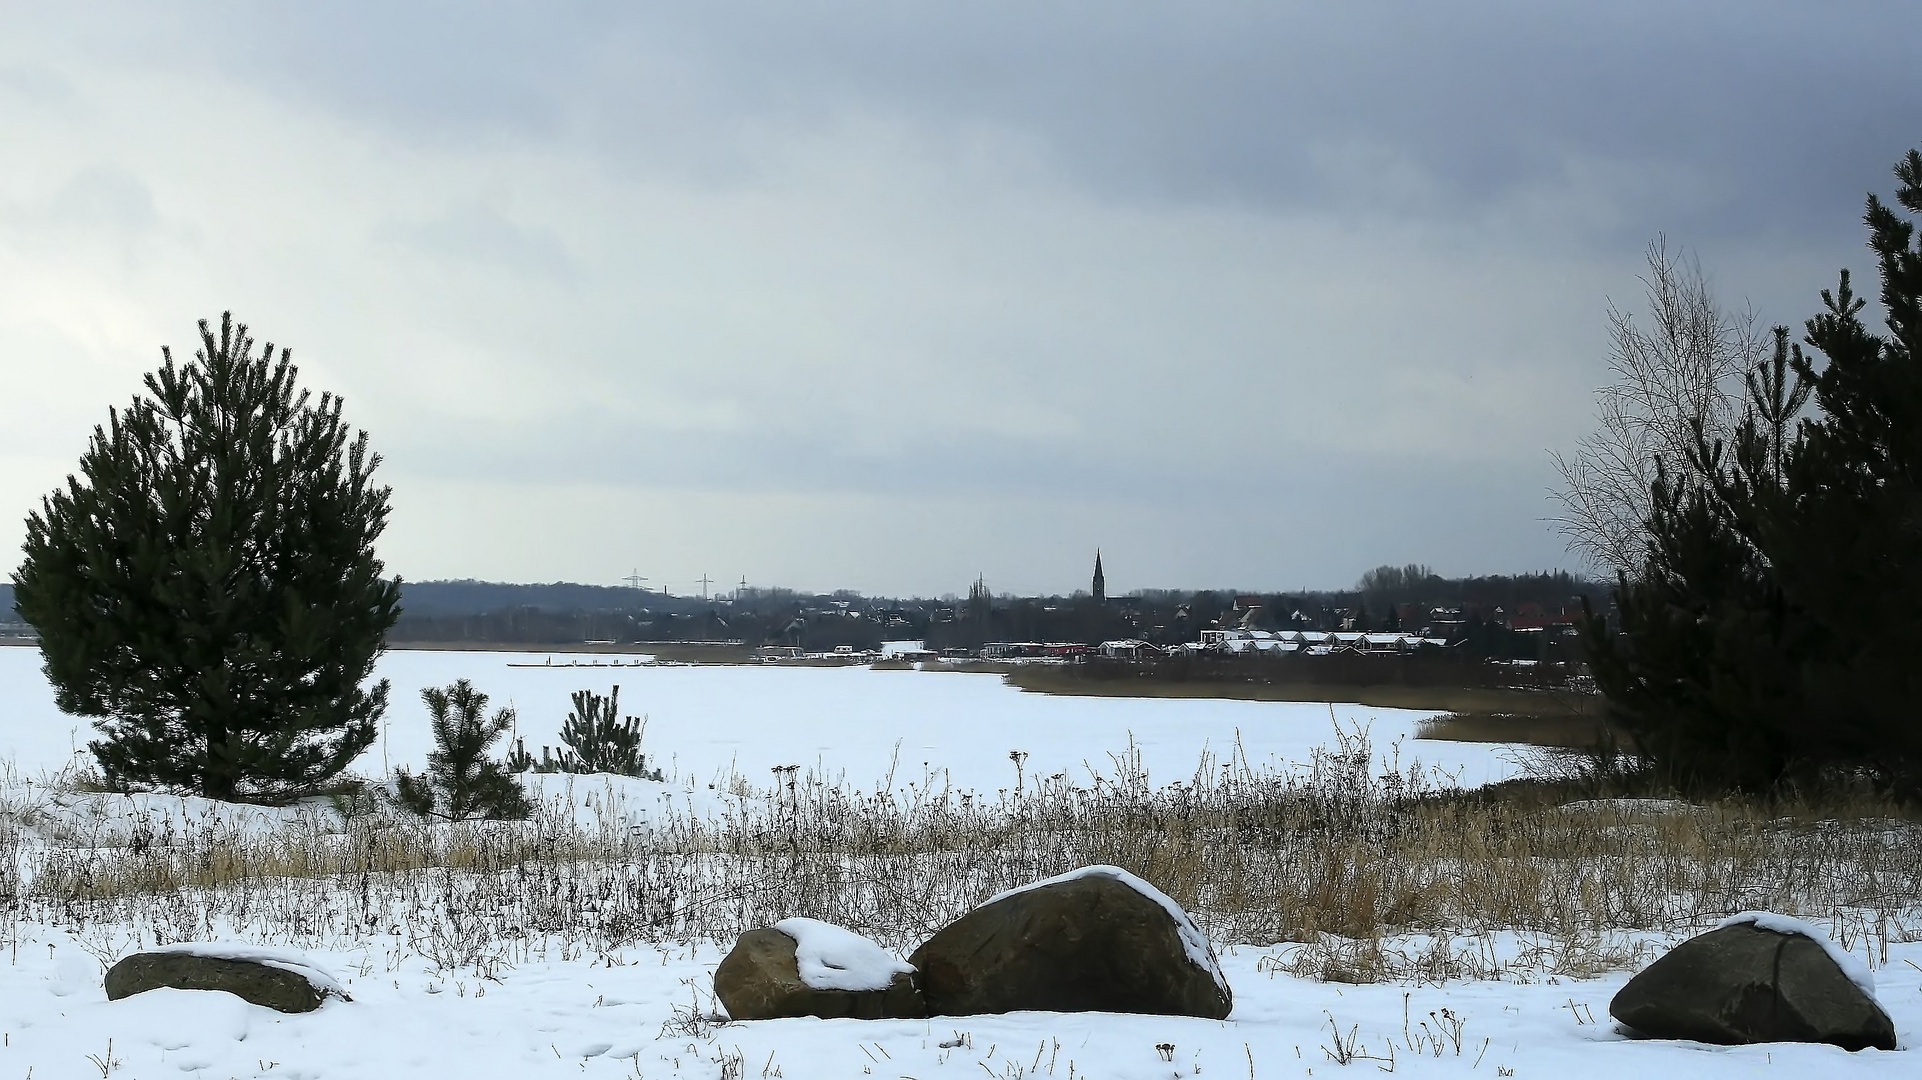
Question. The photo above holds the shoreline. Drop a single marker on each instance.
(687, 652)
(1467, 714)
(1382, 695)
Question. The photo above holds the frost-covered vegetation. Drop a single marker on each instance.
(1337, 857)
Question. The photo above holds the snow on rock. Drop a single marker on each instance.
(285, 959)
(831, 958)
(1193, 942)
(1852, 966)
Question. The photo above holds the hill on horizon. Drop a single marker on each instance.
(439, 599)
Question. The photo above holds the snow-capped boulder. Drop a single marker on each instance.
(1759, 977)
(1094, 939)
(804, 967)
(276, 978)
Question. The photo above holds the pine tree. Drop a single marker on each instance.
(461, 781)
(598, 742)
(1768, 639)
(1695, 677)
(593, 740)
(1842, 531)
(206, 588)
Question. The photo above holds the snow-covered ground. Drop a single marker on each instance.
(848, 724)
(641, 1012)
(581, 1017)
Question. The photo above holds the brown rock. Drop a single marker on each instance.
(260, 983)
(1086, 944)
(760, 980)
(1744, 984)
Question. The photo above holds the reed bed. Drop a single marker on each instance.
(1340, 855)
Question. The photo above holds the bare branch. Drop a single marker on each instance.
(1684, 369)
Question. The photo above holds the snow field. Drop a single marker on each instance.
(852, 726)
(640, 1012)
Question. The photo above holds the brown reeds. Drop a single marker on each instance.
(1336, 854)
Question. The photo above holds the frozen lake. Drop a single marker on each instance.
(846, 723)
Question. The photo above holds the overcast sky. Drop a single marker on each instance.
(885, 295)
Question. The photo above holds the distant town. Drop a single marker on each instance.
(1391, 610)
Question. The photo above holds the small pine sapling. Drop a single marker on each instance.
(520, 761)
(461, 782)
(598, 742)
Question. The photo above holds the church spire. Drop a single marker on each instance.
(1100, 589)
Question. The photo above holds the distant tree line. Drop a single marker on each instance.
(564, 613)
(1388, 587)
(433, 599)
(534, 626)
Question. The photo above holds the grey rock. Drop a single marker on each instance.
(1743, 984)
(761, 980)
(1083, 945)
(260, 983)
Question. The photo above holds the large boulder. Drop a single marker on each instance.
(277, 979)
(1758, 978)
(1094, 939)
(801, 967)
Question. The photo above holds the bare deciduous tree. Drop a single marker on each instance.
(1680, 374)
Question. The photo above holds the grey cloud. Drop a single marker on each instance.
(105, 197)
(97, 203)
(34, 84)
(1764, 110)
(898, 453)
(482, 234)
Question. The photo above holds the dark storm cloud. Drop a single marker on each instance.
(1745, 116)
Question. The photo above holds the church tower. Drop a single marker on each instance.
(1100, 589)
